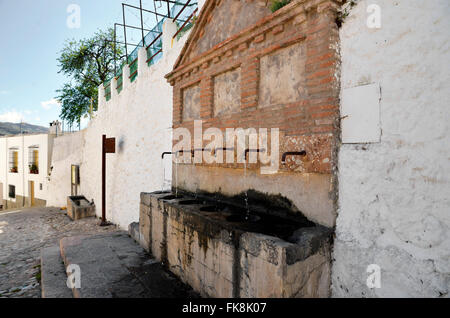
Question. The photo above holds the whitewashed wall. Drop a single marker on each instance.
(140, 118)
(394, 195)
(68, 150)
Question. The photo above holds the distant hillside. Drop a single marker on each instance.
(14, 129)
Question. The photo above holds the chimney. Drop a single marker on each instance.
(55, 128)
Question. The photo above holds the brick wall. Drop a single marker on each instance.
(288, 65)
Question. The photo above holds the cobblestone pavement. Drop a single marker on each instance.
(22, 236)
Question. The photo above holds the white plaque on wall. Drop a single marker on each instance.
(360, 114)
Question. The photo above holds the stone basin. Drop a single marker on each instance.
(213, 248)
(78, 207)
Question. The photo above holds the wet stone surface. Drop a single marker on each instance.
(22, 236)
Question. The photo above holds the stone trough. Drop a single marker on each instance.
(78, 207)
(222, 252)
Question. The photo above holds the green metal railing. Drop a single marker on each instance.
(133, 70)
(119, 83)
(107, 86)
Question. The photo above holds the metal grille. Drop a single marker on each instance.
(12, 192)
(119, 83)
(33, 159)
(14, 160)
(107, 86)
(182, 12)
(133, 69)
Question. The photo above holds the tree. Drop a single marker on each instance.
(88, 63)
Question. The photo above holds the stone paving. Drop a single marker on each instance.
(113, 265)
(22, 236)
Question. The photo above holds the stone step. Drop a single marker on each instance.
(114, 265)
(53, 274)
(133, 231)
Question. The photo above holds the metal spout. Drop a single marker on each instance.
(166, 153)
(253, 150)
(223, 149)
(292, 153)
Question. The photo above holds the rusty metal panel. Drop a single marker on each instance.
(110, 145)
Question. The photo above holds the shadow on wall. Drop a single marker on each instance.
(121, 145)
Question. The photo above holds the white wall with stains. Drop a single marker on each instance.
(394, 195)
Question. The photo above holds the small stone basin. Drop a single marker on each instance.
(78, 207)
(238, 218)
(172, 197)
(161, 192)
(190, 202)
(212, 208)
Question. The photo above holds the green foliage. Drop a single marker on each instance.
(38, 276)
(278, 4)
(88, 63)
(34, 169)
(345, 12)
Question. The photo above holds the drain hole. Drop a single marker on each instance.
(189, 202)
(212, 208)
(171, 197)
(243, 218)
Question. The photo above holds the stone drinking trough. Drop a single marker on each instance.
(214, 246)
(78, 207)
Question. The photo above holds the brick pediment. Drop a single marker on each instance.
(223, 22)
(218, 21)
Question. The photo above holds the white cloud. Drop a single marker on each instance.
(28, 112)
(47, 105)
(11, 117)
(4, 92)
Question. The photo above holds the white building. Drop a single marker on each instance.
(24, 168)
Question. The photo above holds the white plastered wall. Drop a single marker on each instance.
(394, 195)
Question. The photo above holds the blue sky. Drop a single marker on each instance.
(32, 32)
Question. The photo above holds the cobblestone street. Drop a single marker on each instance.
(22, 236)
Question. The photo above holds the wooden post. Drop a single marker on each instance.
(103, 182)
(108, 146)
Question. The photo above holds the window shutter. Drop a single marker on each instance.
(36, 158)
(16, 159)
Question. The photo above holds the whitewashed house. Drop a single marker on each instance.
(24, 168)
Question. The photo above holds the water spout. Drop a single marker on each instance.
(166, 153)
(252, 150)
(201, 149)
(183, 151)
(164, 168)
(223, 149)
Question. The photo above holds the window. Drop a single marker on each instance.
(14, 160)
(12, 191)
(40, 186)
(33, 159)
